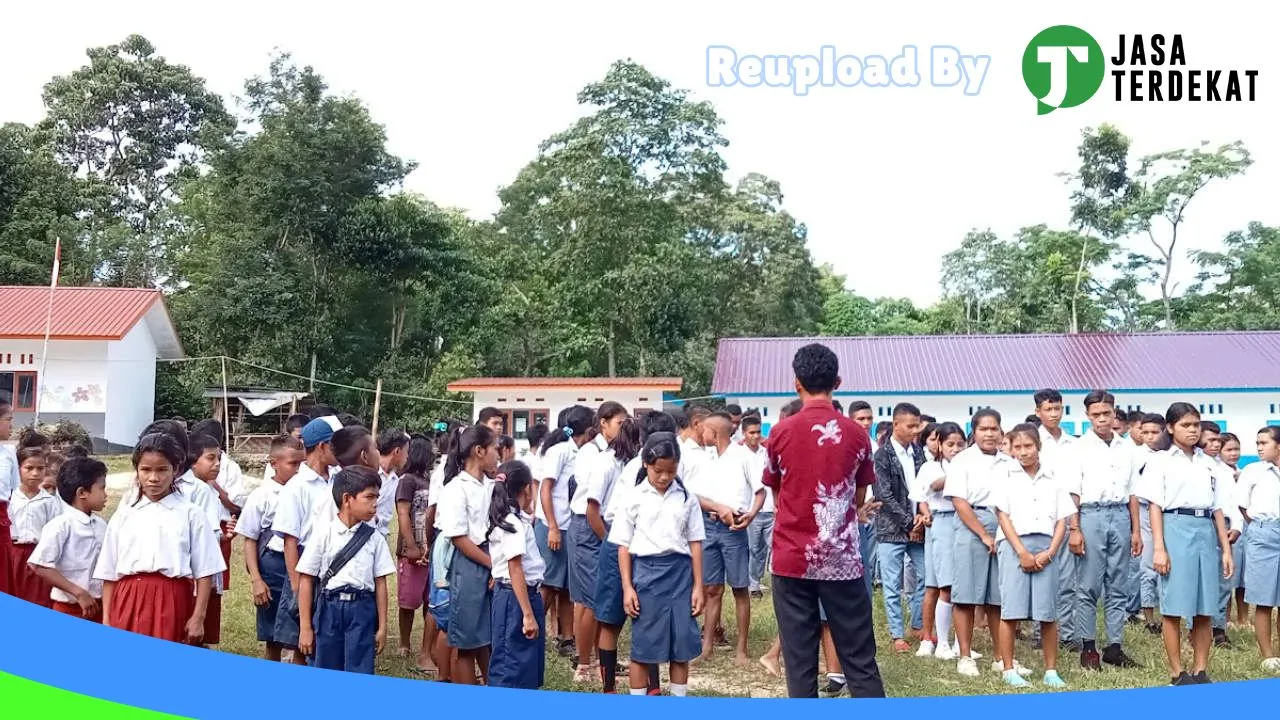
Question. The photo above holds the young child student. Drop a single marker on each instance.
(302, 502)
(975, 479)
(441, 554)
(1150, 432)
(559, 451)
(52, 464)
(393, 453)
(939, 550)
(267, 574)
(154, 553)
(205, 460)
(519, 654)
(760, 531)
(1191, 550)
(31, 508)
(602, 481)
(69, 545)
(1032, 507)
(413, 539)
(583, 540)
(1260, 502)
(1230, 456)
(342, 595)
(463, 511)
(659, 534)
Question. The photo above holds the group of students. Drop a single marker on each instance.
(1142, 513)
(608, 519)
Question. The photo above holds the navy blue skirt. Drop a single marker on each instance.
(583, 561)
(271, 568)
(608, 595)
(287, 627)
(665, 631)
(516, 661)
(470, 600)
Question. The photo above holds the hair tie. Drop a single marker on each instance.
(568, 431)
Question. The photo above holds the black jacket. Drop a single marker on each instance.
(897, 513)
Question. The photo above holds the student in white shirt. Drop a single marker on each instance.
(343, 610)
(1102, 475)
(659, 532)
(584, 542)
(760, 532)
(441, 556)
(1191, 550)
(31, 508)
(899, 528)
(1259, 498)
(204, 453)
(731, 494)
(519, 654)
(1056, 448)
(1212, 440)
(1230, 457)
(69, 545)
(939, 550)
(1032, 508)
(297, 512)
(267, 574)
(463, 513)
(8, 484)
(974, 482)
(559, 452)
(393, 453)
(153, 554)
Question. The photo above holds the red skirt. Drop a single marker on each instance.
(23, 581)
(5, 542)
(73, 610)
(153, 605)
(213, 620)
(225, 545)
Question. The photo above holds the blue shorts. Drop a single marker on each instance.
(608, 595)
(726, 556)
(557, 576)
(665, 631)
(346, 626)
(470, 621)
(271, 568)
(286, 627)
(584, 559)
(1024, 595)
(516, 661)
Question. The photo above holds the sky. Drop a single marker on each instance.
(886, 179)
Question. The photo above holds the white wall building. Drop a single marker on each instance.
(1231, 377)
(526, 402)
(101, 368)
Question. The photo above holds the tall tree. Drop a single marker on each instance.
(138, 126)
(40, 203)
(1238, 287)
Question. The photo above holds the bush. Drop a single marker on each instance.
(63, 434)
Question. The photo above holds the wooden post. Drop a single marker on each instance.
(312, 389)
(226, 405)
(377, 405)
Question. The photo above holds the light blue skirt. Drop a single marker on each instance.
(1024, 595)
(939, 551)
(1193, 585)
(1262, 563)
(977, 579)
(1237, 556)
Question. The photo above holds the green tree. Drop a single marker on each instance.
(1237, 288)
(40, 203)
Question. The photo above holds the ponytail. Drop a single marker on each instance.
(476, 436)
(574, 421)
(513, 477)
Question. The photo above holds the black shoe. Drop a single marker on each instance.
(1135, 620)
(1089, 660)
(566, 648)
(1183, 679)
(1220, 638)
(1154, 628)
(1201, 678)
(757, 595)
(1115, 656)
(833, 687)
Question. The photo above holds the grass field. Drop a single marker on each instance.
(904, 675)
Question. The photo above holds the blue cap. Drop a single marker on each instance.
(317, 431)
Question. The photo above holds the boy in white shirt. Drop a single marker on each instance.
(70, 543)
(342, 596)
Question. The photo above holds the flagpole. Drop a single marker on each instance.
(48, 328)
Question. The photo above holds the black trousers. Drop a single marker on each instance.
(848, 609)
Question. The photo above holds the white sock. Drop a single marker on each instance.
(679, 690)
(942, 617)
(641, 691)
(838, 677)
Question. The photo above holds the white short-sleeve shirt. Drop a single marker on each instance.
(1034, 504)
(976, 477)
(519, 543)
(296, 507)
(370, 563)
(557, 467)
(587, 457)
(259, 512)
(602, 479)
(1229, 493)
(386, 501)
(29, 515)
(70, 544)
(729, 478)
(10, 478)
(231, 479)
(464, 508)
(1174, 480)
(1103, 473)
(761, 458)
(652, 523)
(931, 472)
(1259, 490)
(170, 537)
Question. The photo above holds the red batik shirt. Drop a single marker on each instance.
(818, 458)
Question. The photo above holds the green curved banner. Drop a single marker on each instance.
(27, 699)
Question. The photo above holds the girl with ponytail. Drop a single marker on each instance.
(519, 652)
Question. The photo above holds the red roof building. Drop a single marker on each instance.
(103, 347)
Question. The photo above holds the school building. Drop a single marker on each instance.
(526, 402)
(101, 368)
(1232, 377)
